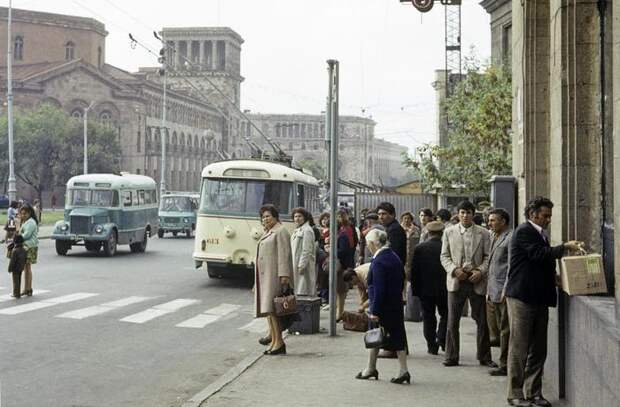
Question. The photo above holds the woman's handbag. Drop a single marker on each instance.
(285, 303)
(374, 338)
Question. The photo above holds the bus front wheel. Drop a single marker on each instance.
(62, 247)
(160, 233)
(109, 246)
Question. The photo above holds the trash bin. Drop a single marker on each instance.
(309, 309)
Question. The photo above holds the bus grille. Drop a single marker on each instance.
(80, 224)
(171, 220)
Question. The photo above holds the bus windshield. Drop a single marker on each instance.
(93, 197)
(238, 196)
(176, 204)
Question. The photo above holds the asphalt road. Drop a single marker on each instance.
(132, 330)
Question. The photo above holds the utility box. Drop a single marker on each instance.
(504, 195)
(309, 309)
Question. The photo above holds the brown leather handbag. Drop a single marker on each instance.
(355, 321)
(285, 303)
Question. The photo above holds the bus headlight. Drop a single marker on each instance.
(64, 227)
(229, 232)
(98, 229)
(185, 220)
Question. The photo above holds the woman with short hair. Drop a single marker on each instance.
(29, 230)
(272, 273)
(385, 283)
(303, 247)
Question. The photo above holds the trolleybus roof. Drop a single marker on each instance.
(256, 169)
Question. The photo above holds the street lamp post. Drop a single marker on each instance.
(162, 185)
(86, 137)
(9, 100)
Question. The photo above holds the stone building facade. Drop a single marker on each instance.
(565, 61)
(60, 59)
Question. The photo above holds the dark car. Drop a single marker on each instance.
(4, 201)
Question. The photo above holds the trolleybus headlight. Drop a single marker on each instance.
(98, 229)
(64, 227)
(229, 232)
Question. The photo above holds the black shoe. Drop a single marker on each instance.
(27, 292)
(442, 346)
(362, 376)
(489, 363)
(433, 349)
(450, 363)
(500, 371)
(265, 341)
(539, 401)
(280, 351)
(519, 403)
(406, 377)
(16, 296)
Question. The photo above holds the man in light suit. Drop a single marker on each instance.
(497, 313)
(465, 257)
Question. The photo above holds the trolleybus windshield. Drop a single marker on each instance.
(244, 197)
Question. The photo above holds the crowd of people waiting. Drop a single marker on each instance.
(442, 262)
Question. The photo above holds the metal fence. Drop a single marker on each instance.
(402, 202)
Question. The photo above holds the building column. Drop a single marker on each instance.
(177, 54)
(189, 56)
(201, 53)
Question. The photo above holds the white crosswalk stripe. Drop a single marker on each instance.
(159, 310)
(103, 308)
(209, 316)
(48, 302)
(7, 297)
(258, 325)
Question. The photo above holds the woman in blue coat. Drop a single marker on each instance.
(385, 286)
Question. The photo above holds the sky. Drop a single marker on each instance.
(388, 51)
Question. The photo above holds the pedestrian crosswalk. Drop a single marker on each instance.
(179, 312)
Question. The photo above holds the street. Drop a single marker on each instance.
(136, 329)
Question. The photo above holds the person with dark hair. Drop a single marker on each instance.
(412, 233)
(17, 264)
(530, 291)
(303, 248)
(425, 216)
(272, 273)
(428, 281)
(396, 234)
(322, 256)
(478, 219)
(372, 222)
(346, 258)
(29, 230)
(465, 257)
(497, 314)
(443, 215)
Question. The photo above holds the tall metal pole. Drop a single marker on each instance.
(162, 184)
(86, 137)
(332, 112)
(9, 100)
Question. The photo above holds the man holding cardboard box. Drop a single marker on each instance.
(530, 291)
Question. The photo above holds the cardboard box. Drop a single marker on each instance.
(583, 274)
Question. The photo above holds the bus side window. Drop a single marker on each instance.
(142, 197)
(153, 196)
(115, 198)
(135, 198)
(127, 198)
(300, 195)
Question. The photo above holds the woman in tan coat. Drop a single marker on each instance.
(274, 268)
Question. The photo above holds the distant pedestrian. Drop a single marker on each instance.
(29, 230)
(345, 245)
(17, 264)
(12, 211)
(530, 291)
(412, 233)
(36, 206)
(425, 216)
(273, 271)
(428, 280)
(385, 281)
(497, 313)
(303, 247)
(465, 257)
(322, 256)
(11, 225)
(53, 201)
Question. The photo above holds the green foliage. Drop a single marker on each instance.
(49, 147)
(479, 145)
(314, 166)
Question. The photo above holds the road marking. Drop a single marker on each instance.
(159, 310)
(49, 302)
(258, 325)
(4, 298)
(103, 308)
(209, 316)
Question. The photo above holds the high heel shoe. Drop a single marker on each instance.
(280, 351)
(405, 377)
(362, 376)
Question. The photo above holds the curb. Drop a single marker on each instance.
(225, 379)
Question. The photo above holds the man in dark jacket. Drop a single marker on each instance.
(530, 291)
(428, 281)
(396, 234)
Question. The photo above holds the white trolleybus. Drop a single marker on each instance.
(228, 226)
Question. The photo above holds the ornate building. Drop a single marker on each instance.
(60, 59)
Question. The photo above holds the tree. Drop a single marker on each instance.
(316, 167)
(49, 147)
(479, 144)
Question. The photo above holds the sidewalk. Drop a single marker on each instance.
(320, 370)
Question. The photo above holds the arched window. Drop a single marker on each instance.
(18, 52)
(105, 118)
(69, 50)
(77, 113)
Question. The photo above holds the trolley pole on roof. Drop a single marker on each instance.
(332, 132)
